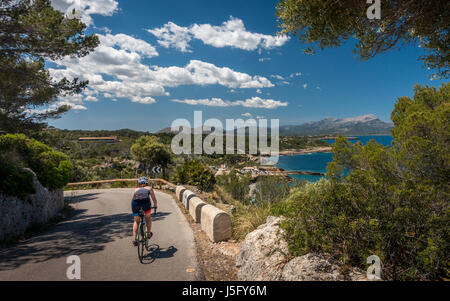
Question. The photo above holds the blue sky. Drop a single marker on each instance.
(162, 60)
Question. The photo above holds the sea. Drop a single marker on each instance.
(318, 161)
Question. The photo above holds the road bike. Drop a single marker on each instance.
(141, 238)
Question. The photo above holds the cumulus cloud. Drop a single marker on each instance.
(214, 102)
(172, 35)
(126, 42)
(231, 33)
(257, 102)
(248, 115)
(86, 8)
(91, 98)
(254, 102)
(115, 70)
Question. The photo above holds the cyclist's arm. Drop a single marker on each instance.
(155, 201)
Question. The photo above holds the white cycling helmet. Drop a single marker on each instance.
(143, 180)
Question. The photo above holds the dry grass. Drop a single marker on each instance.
(244, 218)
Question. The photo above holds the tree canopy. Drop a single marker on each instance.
(329, 23)
(148, 151)
(31, 32)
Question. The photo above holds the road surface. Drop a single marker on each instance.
(100, 233)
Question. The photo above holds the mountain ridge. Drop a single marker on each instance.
(359, 125)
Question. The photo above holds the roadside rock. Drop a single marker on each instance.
(316, 267)
(264, 256)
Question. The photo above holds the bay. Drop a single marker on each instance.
(318, 162)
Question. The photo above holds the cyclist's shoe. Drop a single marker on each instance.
(149, 235)
(135, 242)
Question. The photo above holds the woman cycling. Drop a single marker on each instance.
(141, 200)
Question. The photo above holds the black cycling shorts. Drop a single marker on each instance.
(141, 204)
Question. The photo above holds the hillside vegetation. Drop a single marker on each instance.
(17, 152)
(392, 202)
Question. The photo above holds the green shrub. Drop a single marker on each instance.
(392, 202)
(271, 189)
(194, 173)
(53, 169)
(15, 181)
(238, 186)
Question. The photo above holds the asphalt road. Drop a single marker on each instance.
(100, 233)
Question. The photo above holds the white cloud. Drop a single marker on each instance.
(259, 117)
(295, 74)
(305, 86)
(254, 102)
(214, 102)
(128, 43)
(263, 59)
(115, 69)
(144, 100)
(231, 33)
(258, 91)
(277, 76)
(91, 98)
(172, 35)
(87, 8)
(248, 115)
(257, 102)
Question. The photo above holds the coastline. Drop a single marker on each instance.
(321, 149)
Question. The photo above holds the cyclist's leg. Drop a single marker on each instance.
(147, 209)
(149, 222)
(135, 225)
(135, 210)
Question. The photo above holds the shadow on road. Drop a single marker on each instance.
(159, 216)
(78, 198)
(80, 235)
(154, 252)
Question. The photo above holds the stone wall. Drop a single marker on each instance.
(17, 215)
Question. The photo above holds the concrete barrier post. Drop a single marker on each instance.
(216, 223)
(179, 192)
(187, 196)
(195, 208)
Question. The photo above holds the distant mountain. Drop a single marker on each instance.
(360, 125)
(206, 130)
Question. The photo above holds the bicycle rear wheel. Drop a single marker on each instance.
(141, 242)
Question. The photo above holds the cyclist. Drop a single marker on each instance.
(141, 200)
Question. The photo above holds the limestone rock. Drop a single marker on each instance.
(264, 256)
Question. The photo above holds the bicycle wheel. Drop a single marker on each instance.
(141, 242)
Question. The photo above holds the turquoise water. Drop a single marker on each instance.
(318, 161)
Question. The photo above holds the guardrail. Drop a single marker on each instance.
(161, 181)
